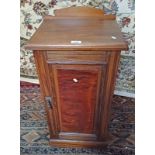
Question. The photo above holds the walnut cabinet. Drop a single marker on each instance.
(77, 54)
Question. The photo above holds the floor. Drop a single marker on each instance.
(35, 135)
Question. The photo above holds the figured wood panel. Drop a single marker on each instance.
(77, 94)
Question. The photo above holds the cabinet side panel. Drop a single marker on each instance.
(108, 93)
(77, 97)
(46, 88)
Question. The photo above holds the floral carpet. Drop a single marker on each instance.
(35, 135)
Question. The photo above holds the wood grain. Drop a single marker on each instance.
(80, 79)
(57, 33)
(60, 58)
(47, 90)
(106, 94)
(79, 12)
(77, 136)
(77, 100)
(77, 143)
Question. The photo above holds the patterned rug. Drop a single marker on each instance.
(35, 135)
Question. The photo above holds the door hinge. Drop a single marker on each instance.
(49, 102)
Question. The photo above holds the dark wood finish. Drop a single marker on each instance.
(106, 94)
(73, 58)
(77, 80)
(79, 12)
(77, 99)
(47, 89)
(77, 143)
(82, 12)
(77, 136)
(57, 34)
(89, 143)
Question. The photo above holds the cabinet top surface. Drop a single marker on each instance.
(77, 34)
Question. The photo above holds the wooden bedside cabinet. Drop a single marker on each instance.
(77, 54)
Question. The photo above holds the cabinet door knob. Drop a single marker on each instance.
(75, 80)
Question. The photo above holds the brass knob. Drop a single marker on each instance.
(75, 80)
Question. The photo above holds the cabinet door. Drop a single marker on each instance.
(77, 90)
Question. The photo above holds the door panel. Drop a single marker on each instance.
(77, 96)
